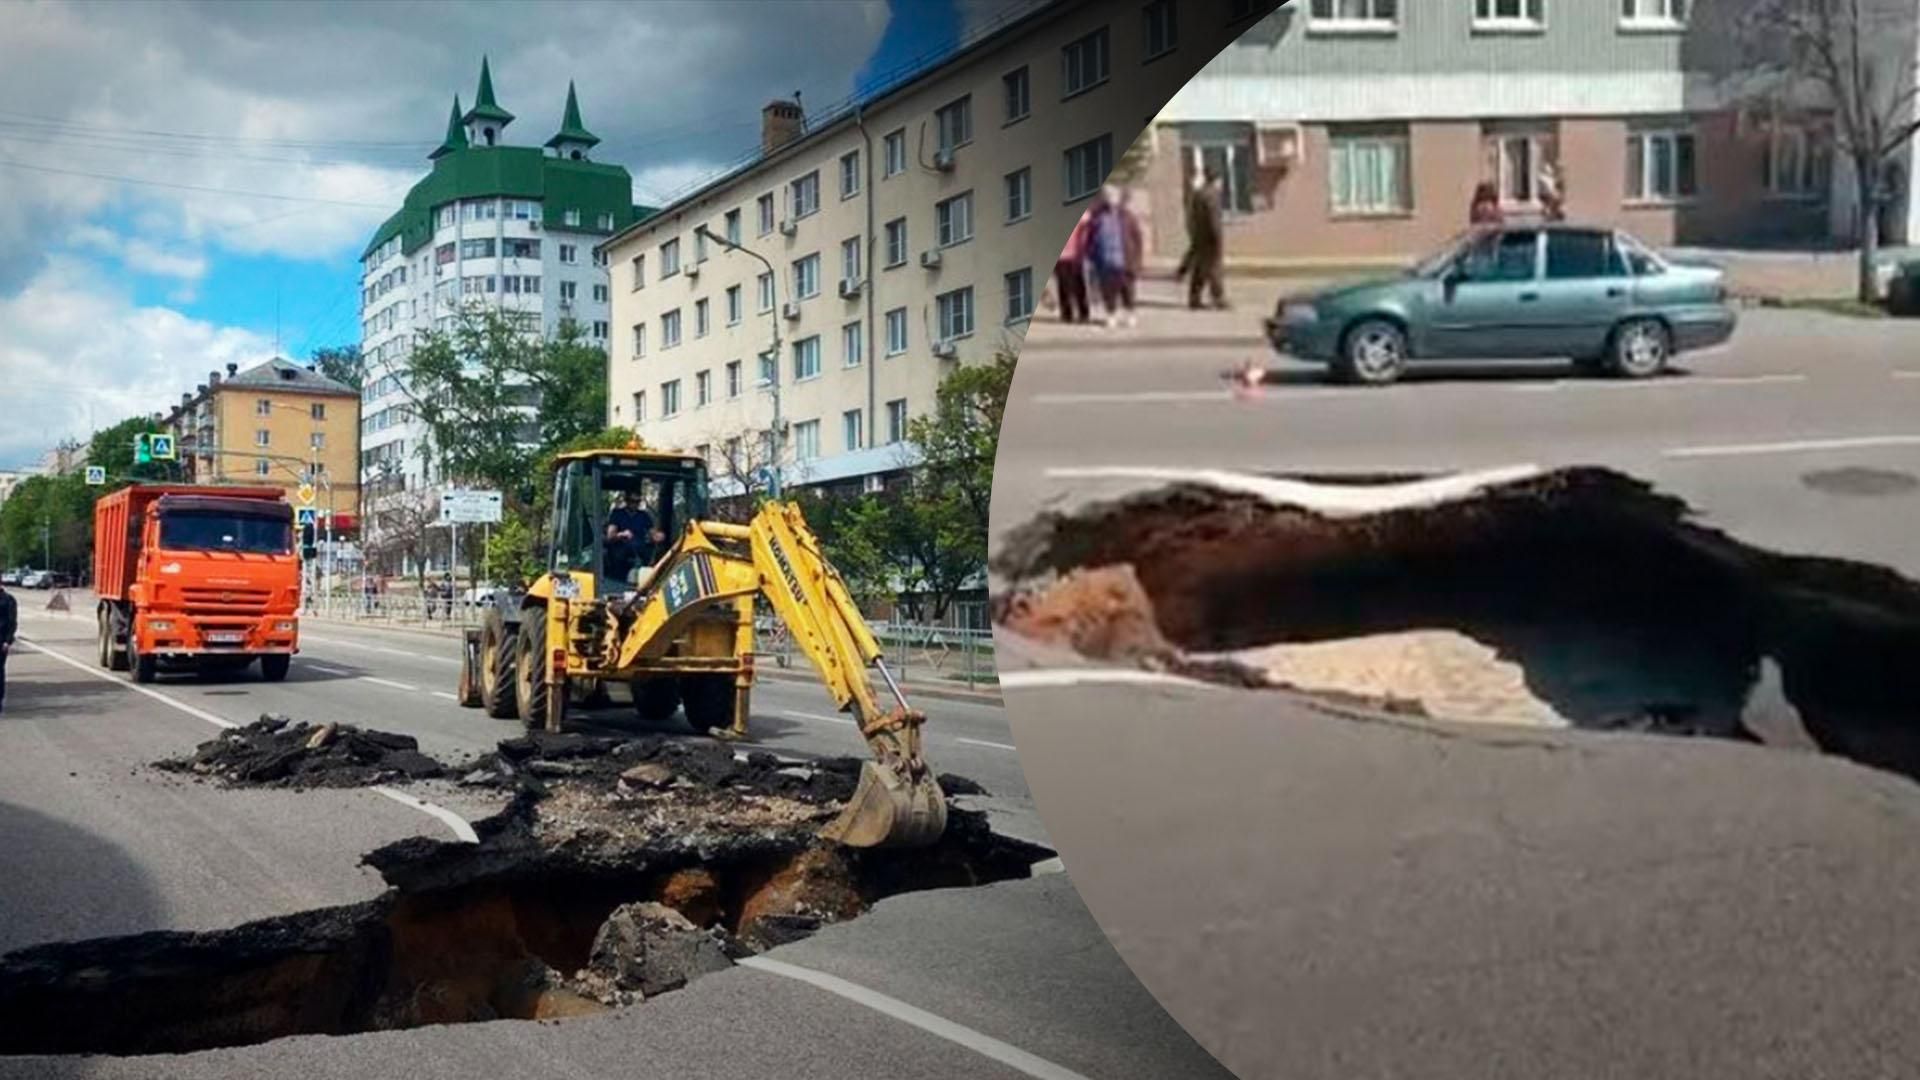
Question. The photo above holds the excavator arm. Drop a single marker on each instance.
(898, 802)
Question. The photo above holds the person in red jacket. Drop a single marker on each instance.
(1071, 275)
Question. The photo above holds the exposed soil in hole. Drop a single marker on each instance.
(642, 866)
(1615, 609)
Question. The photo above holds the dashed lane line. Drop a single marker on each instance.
(797, 715)
(979, 1042)
(989, 745)
(444, 694)
(461, 828)
(389, 682)
(380, 649)
(324, 669)
(1055, 678)
(1802, 446)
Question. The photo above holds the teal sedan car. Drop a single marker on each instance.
(1595, 295)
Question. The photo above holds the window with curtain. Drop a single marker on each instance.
(1370, 172)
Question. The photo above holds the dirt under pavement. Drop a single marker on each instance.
(1616, 608)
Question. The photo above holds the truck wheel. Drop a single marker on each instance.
(145, 665)
(274, 666)
(105, 634)
(656, 699)
(530, 688)
(498, 661)
(709, 701)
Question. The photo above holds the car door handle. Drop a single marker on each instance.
(1528, 297)
(1616, 291)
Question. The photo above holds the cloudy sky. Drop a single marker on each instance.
(181, 181)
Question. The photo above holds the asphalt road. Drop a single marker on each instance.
(1011, 980)
(1759, 435)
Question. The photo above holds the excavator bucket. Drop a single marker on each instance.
(891, 810)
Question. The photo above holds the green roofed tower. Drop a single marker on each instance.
(573, 140)
(486, 121)
(456, 135)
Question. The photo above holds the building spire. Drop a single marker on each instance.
(456, 135)
(485, 120)
(572, 132)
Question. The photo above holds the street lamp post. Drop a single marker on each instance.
(773, 379)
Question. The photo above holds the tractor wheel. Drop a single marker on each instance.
(498, 659)
(530, 688)
(656, 699)
(709, 701)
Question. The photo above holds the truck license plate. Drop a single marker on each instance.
(226, 637)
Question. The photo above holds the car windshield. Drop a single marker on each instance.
(1436, 264)
(201, 530)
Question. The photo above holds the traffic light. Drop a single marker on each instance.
(307, 548)
(142, 453)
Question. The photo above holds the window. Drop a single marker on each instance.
(1353, 14)
(1019, 90)
(599, 292)
(733, 305)
(569, 254)
(732, 226)
(262, 437)
(670, 329)
(521, 249)
(1083, 63)
(669, 398)
(317, 410)
(1659, 14)
(639, 272)
(1087, 166)
(955, 312)
(601, 259)
(1798, 162)
(896, 331)
(1517, 160)
(765, 205)
(701, 318)
(806, 277)
(443, 254)
(953, 220)
(850, 174)
(955, 124)
(895, 145)
(806, 440)
(897, 242)
(317, 441)
(1019, 295)
(1508, 14)
(262, 467)
(806, 358)
(1508, 256)
(850, 430)
(477, 249)
(1659, 166)
(1231, 159)
(263, 407)
(639, 339)
(1582, 253)
(601, 328)
(702, 389)
(639, 405)
(572, 218)
(803, 195)
(606, 222)
(765, 282)
(897, 420)
(1163, 30)
(1369, 172)
(669, 258)
(1019, 194)
(448, 215)
(850, 345)
(699, 247)
(850, 259)
(733, 379)
(568, 290)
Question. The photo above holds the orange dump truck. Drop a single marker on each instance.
(202, 576)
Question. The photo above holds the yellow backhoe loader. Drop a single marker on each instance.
(641, 589)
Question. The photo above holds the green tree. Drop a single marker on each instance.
(112, 449)
(48, 516)
(341, 363)
(570, 374)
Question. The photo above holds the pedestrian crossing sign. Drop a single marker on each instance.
(160, 446)
(96, 475)
(306, 516)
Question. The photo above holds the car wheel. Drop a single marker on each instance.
(1373, 353)
(1640, 349)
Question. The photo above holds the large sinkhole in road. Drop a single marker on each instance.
(586, 893)
(1612, 608)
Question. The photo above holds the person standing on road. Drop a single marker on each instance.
(9, 625)
(1190, 201)
(1070, 274)
(1206, 236)
(1107, 254)
(1136, 242)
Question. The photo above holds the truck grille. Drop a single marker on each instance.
(226, 601)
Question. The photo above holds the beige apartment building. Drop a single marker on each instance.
(275, 423)
(902, 235)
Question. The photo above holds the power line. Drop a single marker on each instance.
(190, 187)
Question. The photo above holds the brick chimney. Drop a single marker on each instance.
(781, 122)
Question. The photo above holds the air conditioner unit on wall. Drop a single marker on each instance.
(943, 160)
(849, 288)
(1279, 146)
(693, 272)
(533, 226)
(791, 309)
(788, 227)
(945, 350)
(930, 259)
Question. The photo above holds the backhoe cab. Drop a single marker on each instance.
(641, 589)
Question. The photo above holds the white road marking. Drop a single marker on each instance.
(1800, 447)
(454, 821)
(444, 694)
(1047, 866)
(388, 682)
(381, 649)
(1332, 500)
(980, 1043)
(198, 714)
(817, 716)
(1191, 397)
(990, 745)
(1052, 678)
(1691, 380)
(1282, 393)
(326, 669)
(1906, 374)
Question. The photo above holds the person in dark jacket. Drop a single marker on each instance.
(1107, 254)
(9, 625)
(1206, 241)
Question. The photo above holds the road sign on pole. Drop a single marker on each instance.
(306, 494)
(161, 446)
(305, 516)
(96, 475)
(469, 507)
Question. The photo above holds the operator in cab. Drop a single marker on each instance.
(633, 538)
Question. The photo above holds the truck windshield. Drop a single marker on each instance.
(193, 530)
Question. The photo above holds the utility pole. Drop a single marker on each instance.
(773, 381)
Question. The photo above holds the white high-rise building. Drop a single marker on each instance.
(513, 227)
